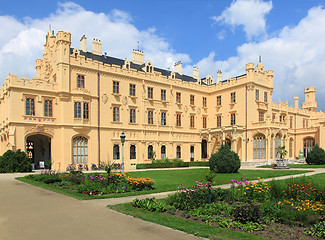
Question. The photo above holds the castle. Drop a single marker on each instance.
(79, 103)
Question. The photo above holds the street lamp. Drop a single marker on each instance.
(122, 141)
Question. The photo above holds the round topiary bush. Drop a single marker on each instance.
(224, 161)
(17, 161)
(316, 156)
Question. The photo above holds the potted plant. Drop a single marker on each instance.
(273, 165)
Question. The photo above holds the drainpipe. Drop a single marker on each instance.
(246, 124)
(98, 114)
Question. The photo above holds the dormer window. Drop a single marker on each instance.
(126, 64)
(149, 67)
(172, 75)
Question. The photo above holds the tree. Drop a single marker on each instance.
(316, 156)
(224, 161)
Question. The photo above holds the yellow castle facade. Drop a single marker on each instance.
(79, 103)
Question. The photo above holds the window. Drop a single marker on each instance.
(178, 152)
(150, 117)
(132, 115)
(163, 151)
(218, 121)
(204, 102)
(273, 117)
(150, 152)
(291, 122)
(265, 96)
(233, 97)
(218, 100)
(290, 147)
(163, 118)
(48, 108)
(261, 116)
(132, 152)
(257, 94)
(116, 152)
(132, 89)
(233, 119)
(191, 121)
(80, 150)
(178, 120)
(277, 143)
(116, 87)
(86, 110)
(163, 95)
(191, 99)
(77, 109)
(150, 92)
(204, 122)
(30, 106)
(309, 144)
(271, 148)
(259, 147)
(80, 81)
(178, 97)
(116, 114)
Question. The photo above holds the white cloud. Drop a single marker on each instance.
(247, 13)
(23, 42)
(296, 54)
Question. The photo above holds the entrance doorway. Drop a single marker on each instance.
(38, 148)
(192, 154)
(204, 149)
(228, 141)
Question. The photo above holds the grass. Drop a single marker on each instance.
(195, 228)
(297, 166)
(169, 180)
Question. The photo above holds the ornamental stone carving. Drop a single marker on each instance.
(39, 129)
(104, 98)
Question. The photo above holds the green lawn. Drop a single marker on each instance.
(169, 180)
(297, 166)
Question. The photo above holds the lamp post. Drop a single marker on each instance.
(122, 141)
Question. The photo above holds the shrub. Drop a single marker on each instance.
(150, 204)
(316, 156)
(247, 212)
(317, 230)
(17, 161)
(163, 163)
(224, 161)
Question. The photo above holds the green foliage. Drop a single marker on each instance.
(150, 204)
(199, 164)
(224, 161)
(17, 161)
(163, 163)
(317, 230)
(281, 151)
(247, 212)
(316, 156)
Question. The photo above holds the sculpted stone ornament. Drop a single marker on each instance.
(185, 109)
(125, 100)
(39, 129)
(104, 98)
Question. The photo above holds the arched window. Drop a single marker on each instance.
(259, 147)
(309, 144)
(150, 152)
(132, 152)
(178, 152)
(277, 143)
(116, 152)
(271, 147)
(290, 147)
(163, 151)
(80, 150)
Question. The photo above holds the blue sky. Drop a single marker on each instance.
(211, 35)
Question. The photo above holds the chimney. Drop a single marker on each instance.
(178, 68)
(137, 57)
(296, 99)
(83, 44)
(97, 47)
(219, 76)
(196, 73)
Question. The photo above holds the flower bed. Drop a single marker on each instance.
(94, 184)
(293, 211)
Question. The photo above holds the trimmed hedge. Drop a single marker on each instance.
(199, 164)
(225, 160)
(162, 165)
